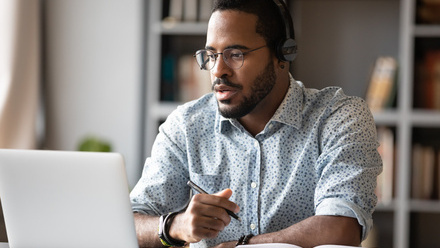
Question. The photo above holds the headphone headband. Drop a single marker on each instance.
(286, 17)
(287, 48)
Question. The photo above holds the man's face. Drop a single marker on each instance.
(240, 91)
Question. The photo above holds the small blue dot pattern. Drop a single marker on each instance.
(316, 156)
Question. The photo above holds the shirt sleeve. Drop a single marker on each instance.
(349, 163)
(162, 187)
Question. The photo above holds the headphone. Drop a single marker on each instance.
(287, 48)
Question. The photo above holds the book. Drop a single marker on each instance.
(437, 176)
(205, 8)
(423, 162)
(190, 10)
(416, 176)
(428, 11)
(176, 10)
(382, 87)
(428, 172)
(385, 181)
(432, 83)
(284, 245)
(168, 77)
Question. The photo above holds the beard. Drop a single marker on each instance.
(261, 87)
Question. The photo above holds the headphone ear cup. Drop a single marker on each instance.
(287, 50)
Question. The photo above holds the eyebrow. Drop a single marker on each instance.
(232, 46)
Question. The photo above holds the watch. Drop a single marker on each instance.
(164, 228)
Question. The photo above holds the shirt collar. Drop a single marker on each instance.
(289, 111)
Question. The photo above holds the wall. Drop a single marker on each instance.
(93, 75)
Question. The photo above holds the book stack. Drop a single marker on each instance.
(182, 79)
(425, 172)
(382, 87)
(189, 10)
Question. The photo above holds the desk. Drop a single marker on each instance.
(4, 245)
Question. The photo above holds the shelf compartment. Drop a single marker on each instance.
(424, 229)
(383, 229)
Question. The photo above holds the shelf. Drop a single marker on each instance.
(161, 110)
(180, 28)
(425, 118)
(393, 219)
(431, 206)
(386, 117)
(386, 207)
(427, 30)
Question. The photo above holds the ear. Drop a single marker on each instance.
(282, 65)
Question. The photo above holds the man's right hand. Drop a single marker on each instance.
(204, 218)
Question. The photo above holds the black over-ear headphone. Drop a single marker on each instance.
(286, 48)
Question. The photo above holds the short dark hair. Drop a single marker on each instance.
(270, 24)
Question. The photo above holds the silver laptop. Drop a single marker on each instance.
(65, 199)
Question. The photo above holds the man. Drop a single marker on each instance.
(296, 165)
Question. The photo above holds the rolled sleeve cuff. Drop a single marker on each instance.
(340, 207)
(145, 209)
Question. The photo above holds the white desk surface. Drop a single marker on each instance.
(4, 245)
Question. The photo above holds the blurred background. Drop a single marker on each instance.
(108, 72)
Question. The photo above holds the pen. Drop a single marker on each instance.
(201, 191)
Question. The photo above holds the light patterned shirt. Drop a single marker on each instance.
(316, 156)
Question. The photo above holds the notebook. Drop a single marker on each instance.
(65, 199)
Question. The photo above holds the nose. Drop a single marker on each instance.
(221, 69)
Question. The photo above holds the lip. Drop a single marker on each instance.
(224, 92)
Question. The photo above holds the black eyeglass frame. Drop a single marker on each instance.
(203, 65)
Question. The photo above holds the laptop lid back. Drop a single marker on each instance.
(65, 199)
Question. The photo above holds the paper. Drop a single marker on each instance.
(283, 245)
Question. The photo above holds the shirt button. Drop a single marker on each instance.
(253, 185)
(253, 226)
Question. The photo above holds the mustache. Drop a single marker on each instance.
(224, 81)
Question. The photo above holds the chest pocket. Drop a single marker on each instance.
(211, 183)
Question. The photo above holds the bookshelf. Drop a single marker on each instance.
(402, 222)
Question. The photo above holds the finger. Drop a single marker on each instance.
(226, 193)
(200, 226)
(203, 206)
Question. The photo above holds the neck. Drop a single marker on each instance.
(257, 119)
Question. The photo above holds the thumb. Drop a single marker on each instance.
(226, 193)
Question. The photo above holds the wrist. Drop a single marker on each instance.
(164, 231)
(244, 240)
(175, 230)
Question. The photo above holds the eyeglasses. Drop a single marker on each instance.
(233, 57)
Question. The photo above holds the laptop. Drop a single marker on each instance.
(65, 199)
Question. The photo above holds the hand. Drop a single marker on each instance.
(204, 218)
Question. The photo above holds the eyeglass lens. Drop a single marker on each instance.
(232, 57)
